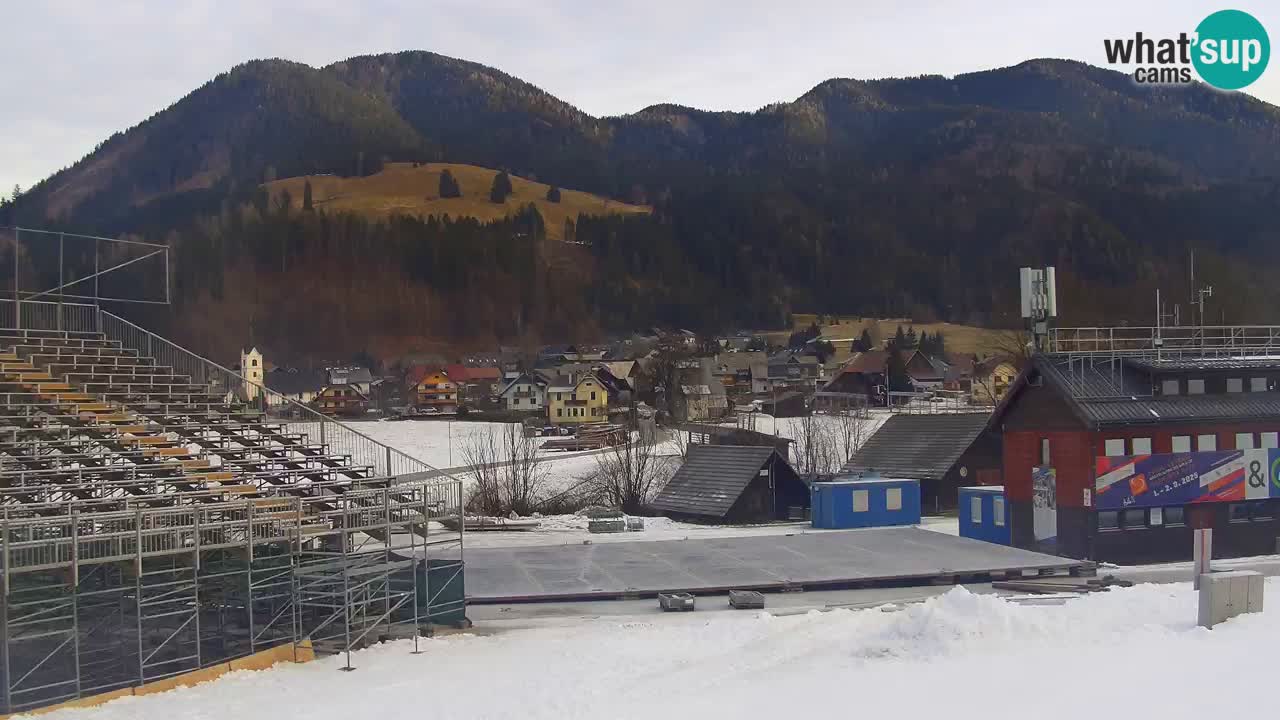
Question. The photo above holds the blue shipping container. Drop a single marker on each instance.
(984, 514)
(878, 502)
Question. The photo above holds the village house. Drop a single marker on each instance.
(572, 402)
(785, 370)
(300, 386)
(341, 400)
(358, 377)
(991, 380)
(433, 390)
(476, 385)
(527, 392)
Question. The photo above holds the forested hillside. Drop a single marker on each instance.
(916, 196)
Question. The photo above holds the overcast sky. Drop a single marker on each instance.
(71, 73)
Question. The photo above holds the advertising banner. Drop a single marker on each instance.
(1182, 478)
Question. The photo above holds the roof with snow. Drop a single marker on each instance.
(920, 447)
(713, 477)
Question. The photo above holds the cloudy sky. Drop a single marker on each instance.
(74, 72)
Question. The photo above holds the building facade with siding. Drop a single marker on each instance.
(1120, 461)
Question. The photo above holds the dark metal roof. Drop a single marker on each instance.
(1186, 364)
(1104, 392)
(712, 478)
(918, 447)
(1232, 406)
(294, 382)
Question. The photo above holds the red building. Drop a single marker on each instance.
(1118, 456)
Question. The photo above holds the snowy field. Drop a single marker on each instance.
(959, 655)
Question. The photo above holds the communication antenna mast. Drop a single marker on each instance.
(1039, 290)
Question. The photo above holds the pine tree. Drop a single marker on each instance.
(449, 186)
(864, 341)
(923, 342)
(17, 190)
(896, 371)
(501, 188)
(939, 344)
(553, 194)
(306, 196)
(899, 339)
(912, 341)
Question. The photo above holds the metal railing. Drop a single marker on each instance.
(46, 315)
(341, 439)
(1174, 341)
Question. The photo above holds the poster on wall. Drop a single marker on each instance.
(1139, 481)
(1044, 502)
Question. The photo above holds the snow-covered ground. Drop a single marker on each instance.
(960, 655)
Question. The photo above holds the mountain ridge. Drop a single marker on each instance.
(858, 196)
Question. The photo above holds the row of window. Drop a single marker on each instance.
(862, 500)
(1195, 386)
(1140, 518)
(1118, 447)
(579, 412)
(533, 402)
(997, 511)
(593, 396)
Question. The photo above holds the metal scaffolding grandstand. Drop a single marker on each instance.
(155, 519)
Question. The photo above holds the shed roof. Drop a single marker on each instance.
(923, 447)
(712, 478)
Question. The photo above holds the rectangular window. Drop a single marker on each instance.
(975, 509)
(1195, 386)
(1181, 443)
(997, 511)
(1206, 443)
(516, 401)
(1238, 512)
(893, 499)
(1169, 387)
(1141, 446)
(1244, 441)
(1235, 385)
(1174, 516)
(1044, 452)
(1270, 440)
(1134, 519)
(559, 412)
(1262, 510)
(1114, 447)
(860, 501)
(593, 396)
(1258, 384)
(1108, 520)
(1156, 517)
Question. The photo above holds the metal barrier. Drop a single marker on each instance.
(46, 315)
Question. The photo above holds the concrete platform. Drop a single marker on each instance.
(854, 558)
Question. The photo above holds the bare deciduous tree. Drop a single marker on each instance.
(628, 475)
(506, 469)
(824, 443)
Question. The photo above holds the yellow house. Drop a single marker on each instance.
(573, 403)
(991, 380)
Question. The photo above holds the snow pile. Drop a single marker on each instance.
(1131, 652)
